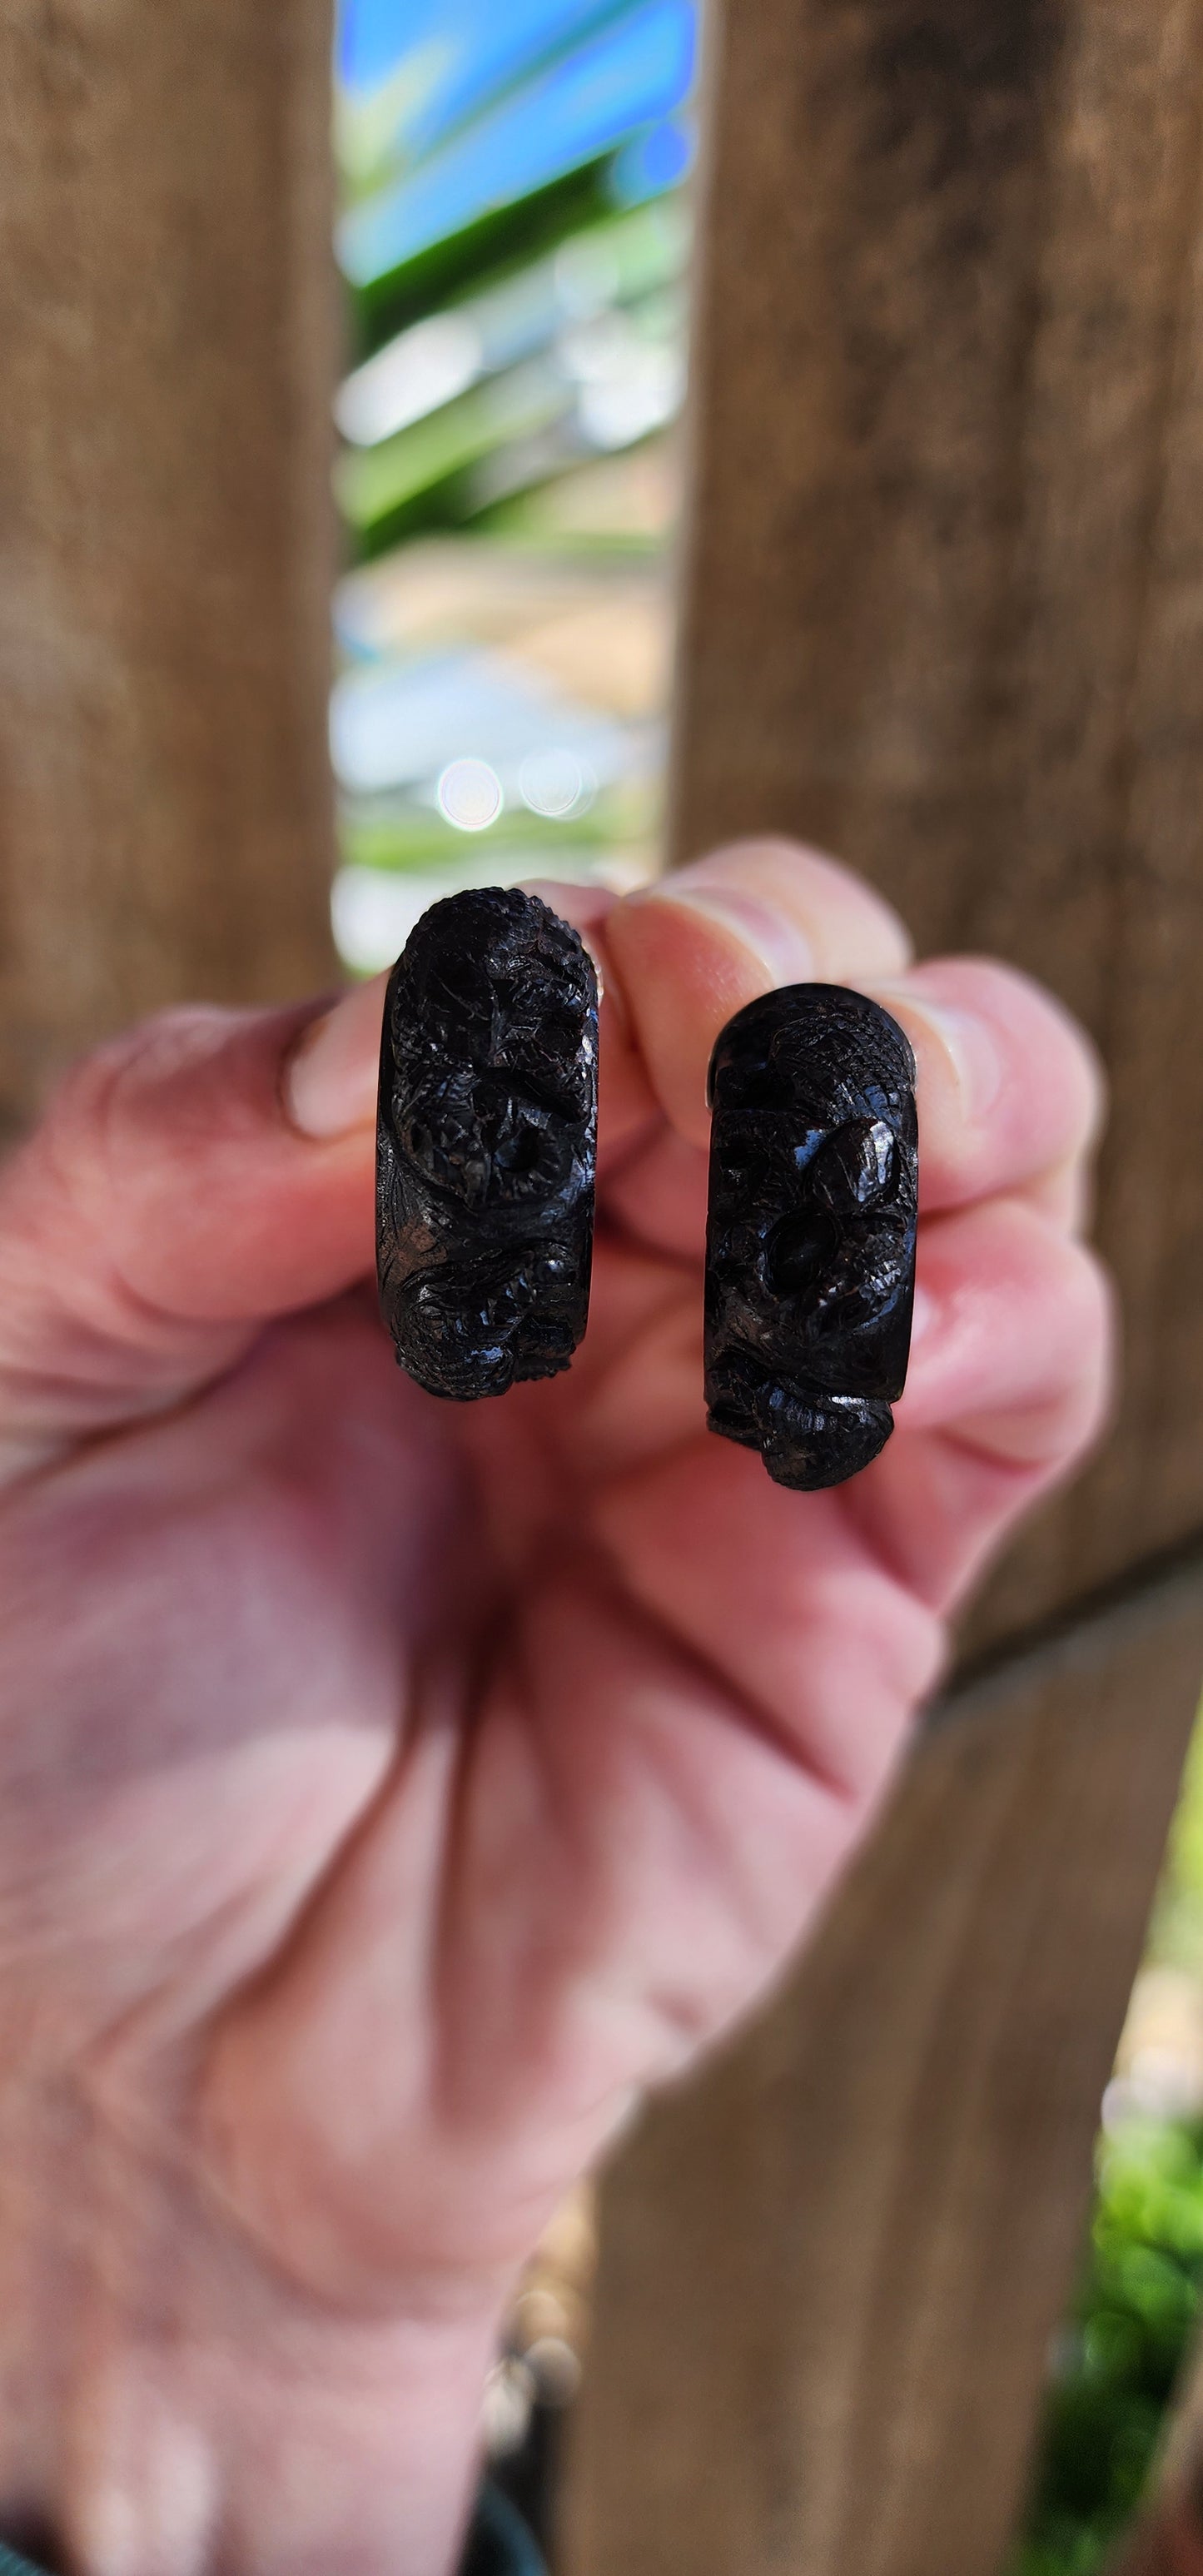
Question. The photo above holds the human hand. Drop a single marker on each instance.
(390, 1790)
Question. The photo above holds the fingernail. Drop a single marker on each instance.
(968, 1042)
(783, 950)
(330, 1081)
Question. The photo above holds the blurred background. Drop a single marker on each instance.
(514, 237)
(1129, 2333)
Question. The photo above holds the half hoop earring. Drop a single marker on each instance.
(810, 1240)
(487, 1144)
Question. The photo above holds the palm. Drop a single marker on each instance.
(426, 1778)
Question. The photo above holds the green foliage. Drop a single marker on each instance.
(1137, 2303)
(412, 839)
(1120, 2353)
(485, 252)
(1176, 1930)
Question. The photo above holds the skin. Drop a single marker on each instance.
(391, 1791)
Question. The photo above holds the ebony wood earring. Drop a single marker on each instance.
(486, 1144)
(810, 1248)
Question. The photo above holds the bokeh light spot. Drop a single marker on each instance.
(469, 794)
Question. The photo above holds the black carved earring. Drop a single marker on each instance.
(810, 1246)
(486, 1144)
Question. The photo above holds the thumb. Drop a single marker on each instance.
(171, 1203)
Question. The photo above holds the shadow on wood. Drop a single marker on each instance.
(831, 2269)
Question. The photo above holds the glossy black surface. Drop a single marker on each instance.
(486, 1144)
(810, 1246)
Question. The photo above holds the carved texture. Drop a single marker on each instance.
(486, 1144)
(810, 1249)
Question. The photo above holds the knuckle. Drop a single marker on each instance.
(1055, 1079)
(106, 1100)
(1073, 1314)
(107, 1128)
(1068, 1290)
(120, 1072)
(810, 880)
(1036, 1012)
(1089, 1306)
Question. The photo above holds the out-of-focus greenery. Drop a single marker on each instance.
(407, 841)
(514, 238)
(447, 182)
(1121, 2349)
(521, 393)
(1137, 2303)
(1176, 1929)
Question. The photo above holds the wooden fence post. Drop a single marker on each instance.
(167, 321)
(943, 612)
(831, 2269)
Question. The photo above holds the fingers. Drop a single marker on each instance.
(636, 1384)
(713, 936)
(214, 1170)
(1009, 1383)
(1009, 1097)
(657, 1194)
(166, 1208)
(1010, 1091)
(1008, 1379)
(816, 1637)
(211, 1171)
(1012, 1336)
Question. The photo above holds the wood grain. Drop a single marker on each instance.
(943, 592)
(168, 328)
(830, 2269)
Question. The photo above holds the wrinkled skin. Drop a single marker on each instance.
(388, 1789)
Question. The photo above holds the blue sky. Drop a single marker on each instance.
(631, 71)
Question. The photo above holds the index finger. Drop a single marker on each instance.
(1009, 1091)
(697, 945)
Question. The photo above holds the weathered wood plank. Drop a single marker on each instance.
(944, 578)
(944, 612)
(831, 2268)
(168, 327)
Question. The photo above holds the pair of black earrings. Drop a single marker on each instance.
(486, 1149)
